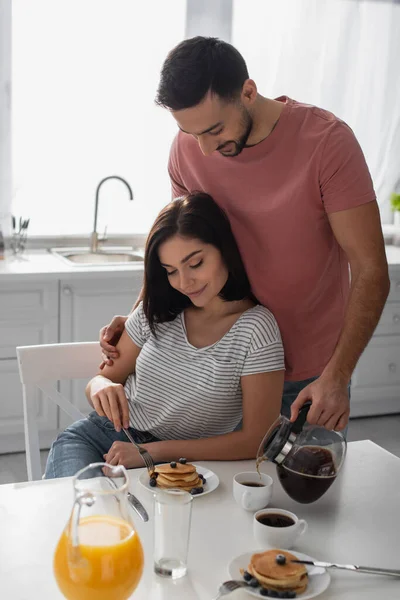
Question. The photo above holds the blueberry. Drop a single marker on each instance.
(280, 559)
(253, 582)
(183, 461)
(265, 592)
(204, 480)
(172, 465)
(247, 576)
(153, 482)
(194, 491)
(273, 594)
(290, 594)
(199, 490)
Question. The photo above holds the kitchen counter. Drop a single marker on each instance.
(35, 264)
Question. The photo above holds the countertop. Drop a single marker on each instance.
(41, 264)
(35, 264)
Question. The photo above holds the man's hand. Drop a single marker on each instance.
(124, 453)
(330, 406)
(109, 338)
(110, 401)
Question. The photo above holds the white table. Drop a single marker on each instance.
(358, 521)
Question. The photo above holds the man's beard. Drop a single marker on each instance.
(238, 145)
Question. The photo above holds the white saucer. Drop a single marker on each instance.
(318, 580)
(212, 481)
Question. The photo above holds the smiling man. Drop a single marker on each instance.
(295, 185)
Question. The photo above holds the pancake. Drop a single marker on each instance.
(181, 469)
(287, 577)
(181, 476)
(182, 486)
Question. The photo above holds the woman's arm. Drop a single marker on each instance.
(262, 397)
(105, 392)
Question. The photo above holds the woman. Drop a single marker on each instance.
(197, 356)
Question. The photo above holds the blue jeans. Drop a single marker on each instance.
(85, 442)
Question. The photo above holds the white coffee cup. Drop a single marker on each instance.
(249, 497)
(278, 537)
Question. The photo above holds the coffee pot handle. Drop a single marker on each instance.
(301, 418)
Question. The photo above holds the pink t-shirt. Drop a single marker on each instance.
(277, 196)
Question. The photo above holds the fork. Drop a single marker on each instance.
(148, 461)
(230, 586)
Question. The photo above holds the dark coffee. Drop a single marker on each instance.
(308, 473)
(275, 520)
(252, 484)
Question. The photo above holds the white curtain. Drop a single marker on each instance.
(341, 55)
(84, 76)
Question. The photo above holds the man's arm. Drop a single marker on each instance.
(105, 392)
(358, 232)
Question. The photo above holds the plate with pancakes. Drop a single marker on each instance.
(274, 572)
(197, 480)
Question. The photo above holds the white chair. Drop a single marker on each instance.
(43, 366)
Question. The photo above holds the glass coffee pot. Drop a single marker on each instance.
(307, 457)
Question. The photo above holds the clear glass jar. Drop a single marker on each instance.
(99, 555)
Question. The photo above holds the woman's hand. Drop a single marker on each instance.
(109, 338)
(124, 453)
(109, 401)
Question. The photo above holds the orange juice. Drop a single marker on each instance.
(107, 565)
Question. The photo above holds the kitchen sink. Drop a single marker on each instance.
(83, 257)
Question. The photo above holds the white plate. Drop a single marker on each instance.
(317, 581)
(212, 481)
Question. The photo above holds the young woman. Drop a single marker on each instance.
(197, 357)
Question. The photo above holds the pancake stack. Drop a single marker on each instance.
(179, 476)
(287, 577)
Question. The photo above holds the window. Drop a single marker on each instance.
(84, 78)
(342, 56)
(84, 75)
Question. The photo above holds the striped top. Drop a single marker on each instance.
(179, 391)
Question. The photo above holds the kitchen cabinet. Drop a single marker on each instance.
(375, 388)
(66, 309)
(28, 315)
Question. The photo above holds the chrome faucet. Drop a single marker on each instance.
(94, 238)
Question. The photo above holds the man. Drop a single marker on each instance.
(294, 183)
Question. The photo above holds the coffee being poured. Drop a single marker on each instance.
(308, 457)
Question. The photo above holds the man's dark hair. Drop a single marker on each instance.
(199, 65)
(193, 216)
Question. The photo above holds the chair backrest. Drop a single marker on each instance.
(43, 366)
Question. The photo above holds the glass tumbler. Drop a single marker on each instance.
(172, 518)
